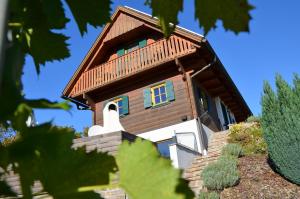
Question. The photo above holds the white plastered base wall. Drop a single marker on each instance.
(168, 132)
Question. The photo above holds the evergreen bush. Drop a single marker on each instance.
(281, 127)
(220, 174)
(233, 150)
(209, 195)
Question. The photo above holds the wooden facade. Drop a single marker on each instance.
(104, 74)
(140, 119)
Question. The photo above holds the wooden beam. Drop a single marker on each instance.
(217, 91)
(211, 83)
(180, 69)
(89, 100)
(189, 87)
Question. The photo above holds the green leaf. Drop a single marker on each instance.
(93, 12)
(54, 11)
(233, 13)
(166, 11)
(46, 104)
(47, 46)
(144, 174)
(11, 85)
(21, 115)
(44, 153)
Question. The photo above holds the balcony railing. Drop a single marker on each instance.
(141, 59)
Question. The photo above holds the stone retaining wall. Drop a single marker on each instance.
(105, 143)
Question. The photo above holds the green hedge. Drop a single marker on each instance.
(281, 127)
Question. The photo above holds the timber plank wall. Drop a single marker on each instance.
(140, 119)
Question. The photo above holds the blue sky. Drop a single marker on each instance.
(272, 46)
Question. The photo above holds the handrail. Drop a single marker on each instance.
(138, 60)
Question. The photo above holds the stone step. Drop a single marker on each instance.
(193, 173)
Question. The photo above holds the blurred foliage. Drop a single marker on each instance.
(234, 15)
(85, 132)
(281, 126)
(249, 136)
(43, 152)
(143, 170)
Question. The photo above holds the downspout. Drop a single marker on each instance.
(79, 105)
(199, 118)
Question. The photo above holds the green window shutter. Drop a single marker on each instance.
(170, 90)
(125, 105)
(121, 52)
(147, 98)
(143, 43)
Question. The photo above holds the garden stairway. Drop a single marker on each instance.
(215, 145)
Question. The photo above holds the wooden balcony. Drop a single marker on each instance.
(152, 55)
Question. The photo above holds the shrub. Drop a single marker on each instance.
(229, 157)
(233, 149)
(209, 195)
(281, 127)
(250, 137)
(220, 174)
(253, 118)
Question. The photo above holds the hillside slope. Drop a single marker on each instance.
(258, 180)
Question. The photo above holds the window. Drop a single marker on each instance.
(132, 47)
(225, 116)
(122, 102)
(119, 102)
(163, 147)
(204, 100)
(159, 94)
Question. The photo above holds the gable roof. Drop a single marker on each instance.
(139, 19)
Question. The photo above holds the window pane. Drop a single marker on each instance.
(120, 102)
(163, 148)
(157, 99)
(162, 89)
(163, 98)
(156, 92)
(132, 48)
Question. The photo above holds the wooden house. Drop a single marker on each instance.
(163, 86)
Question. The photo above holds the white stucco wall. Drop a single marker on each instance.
(174, 155)
(169, 132)
(184, 139)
